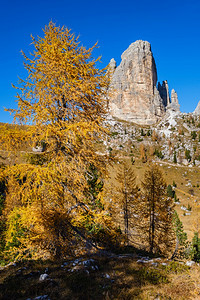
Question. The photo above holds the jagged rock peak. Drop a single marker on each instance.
(174, 96)
(138, 46)
(174, 105)
(112, 65)
(135, 96)
(197, 109)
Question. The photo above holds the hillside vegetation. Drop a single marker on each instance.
(93, 207)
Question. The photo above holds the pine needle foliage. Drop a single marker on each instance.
(181, 237)
(62, 104)
(157, 209)
(126, 197)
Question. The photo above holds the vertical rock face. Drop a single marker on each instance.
(174, 97)
(174, 105)
(197, 109)
(164, 92)
(133, 86)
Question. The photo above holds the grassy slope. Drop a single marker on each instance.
(187, 178)
(116, 278)
(128, 279)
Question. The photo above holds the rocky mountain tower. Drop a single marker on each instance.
(134, 95)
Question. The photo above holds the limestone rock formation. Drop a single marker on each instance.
(174, 97)
(134, 95)
(112, 65)
(164, 92)
(197, 109)
(174, 105)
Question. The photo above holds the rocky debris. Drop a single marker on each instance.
(183, 208)
(43, 297)
(77, 268)
(134, 95)
(77, 261)
(153, 261)
(190, 263)
(187, 214)
(89, 263)
(37, 149)
(171, 138)
(43, 277)
(64, 264)
(144, 260)
(168, 123)
(84, 265)
(197, 109)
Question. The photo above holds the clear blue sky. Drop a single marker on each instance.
(172, 28)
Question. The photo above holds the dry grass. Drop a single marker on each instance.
(116, 278)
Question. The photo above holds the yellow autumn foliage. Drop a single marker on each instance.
(61, 104)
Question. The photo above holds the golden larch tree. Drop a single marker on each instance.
(62, 105)
(126, 197)
(157, 211)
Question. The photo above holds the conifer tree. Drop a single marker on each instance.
(143, 155)
(170, 191)
(195, 249)
(175, 158)
(157, 211)
(126, 195)
(195, 245)
(181, 236)
(61, 104)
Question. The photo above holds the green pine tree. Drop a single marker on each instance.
(181, 236)
(170, 192)
(175, 158)
(195, 251)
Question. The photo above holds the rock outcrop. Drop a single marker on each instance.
(134, 95)
(112, 65)
(197, 109)
(174, 105)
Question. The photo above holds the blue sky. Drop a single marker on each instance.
(172, 28)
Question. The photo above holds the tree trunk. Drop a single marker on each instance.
(176, 248)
